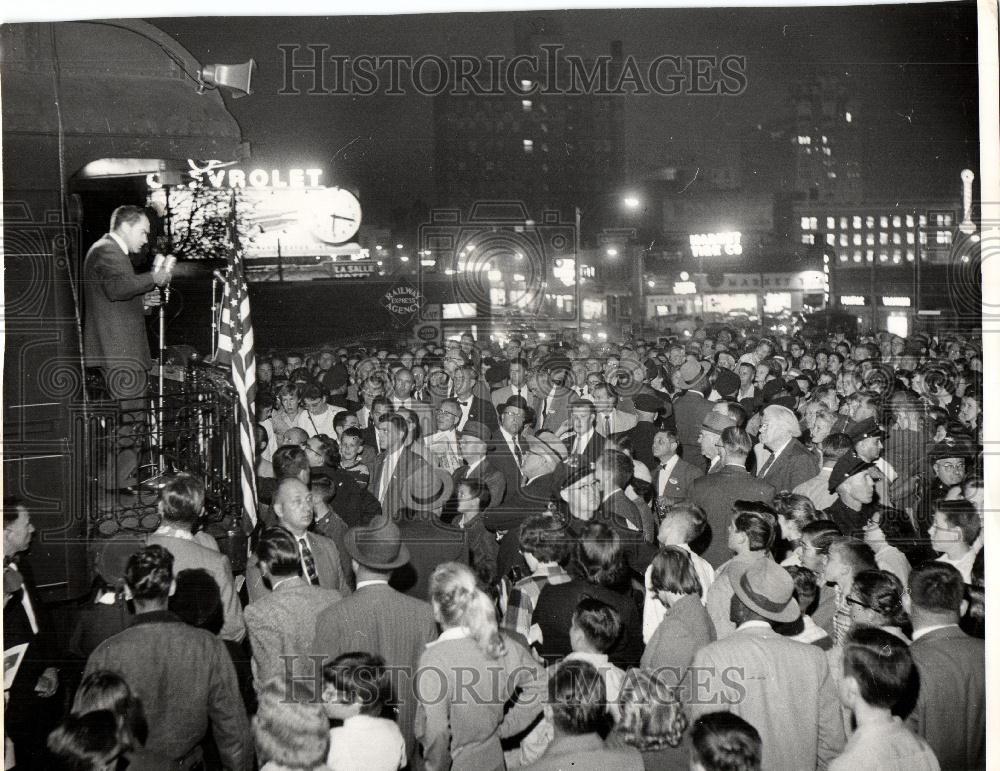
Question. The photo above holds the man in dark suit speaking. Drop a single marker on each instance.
(114, 326)
(114, 332)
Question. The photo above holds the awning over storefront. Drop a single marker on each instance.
(117, 89)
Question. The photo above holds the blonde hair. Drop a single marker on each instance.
(458, 601)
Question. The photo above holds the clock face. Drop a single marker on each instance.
(337, 219)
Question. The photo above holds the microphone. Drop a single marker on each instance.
(164, 263)
(218, 274)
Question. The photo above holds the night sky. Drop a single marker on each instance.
(912, 68)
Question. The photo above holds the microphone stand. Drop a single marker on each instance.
(161, 402)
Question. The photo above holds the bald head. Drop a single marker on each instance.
(295, 436)
(293, 506)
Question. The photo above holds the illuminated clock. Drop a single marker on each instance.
(337, 218)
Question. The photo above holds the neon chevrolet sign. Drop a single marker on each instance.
(716, 244)
(219, 175)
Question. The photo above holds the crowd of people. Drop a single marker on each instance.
(724, 551)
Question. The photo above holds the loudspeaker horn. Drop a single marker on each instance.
(233, 76)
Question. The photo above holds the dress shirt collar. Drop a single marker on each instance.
(121, 244)
(475, 465)
(918, 633)
(754, 625)
(371, 582)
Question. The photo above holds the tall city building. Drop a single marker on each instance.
(537, 143)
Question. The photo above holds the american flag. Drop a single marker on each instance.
(236, 347)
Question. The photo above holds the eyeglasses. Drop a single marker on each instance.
(859, 603)
(958, 465)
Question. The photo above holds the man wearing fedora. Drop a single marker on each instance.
(378, 619)
(690, 409)
(473, 443)
(780, 686)
(429, 539)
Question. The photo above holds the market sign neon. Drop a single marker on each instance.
(716, 244)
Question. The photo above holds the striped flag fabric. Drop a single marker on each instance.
(236, 347)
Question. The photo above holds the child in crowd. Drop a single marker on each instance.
(351, 445)
(682, 523)
(357, 690)
(594, 630)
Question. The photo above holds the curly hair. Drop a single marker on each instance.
(652, 714)
(288, 731)
(458, 601)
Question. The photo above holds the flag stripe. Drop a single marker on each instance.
(236, 346)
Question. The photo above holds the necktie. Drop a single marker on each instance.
(767, 466)
(517, 453)
(308, 562)
(607, 425)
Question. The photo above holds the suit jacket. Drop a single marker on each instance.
(690, 409)
(430, 542)
(353, 503)
(716, 493)
(161, 649)
(781, 687)
(115, 327)
(586, 752)
(409, 463)
(553, 613)
(558, 412)
(521, 502)
(27, 717)
(191, 555)
(380, 620)
(621, 422)
(678, 487)
(642, 443)
(686, 628)
(328, 569)
(951, 707)
(793, 466)
(590, 453)
(618, 508)
(503, 459)
(283, 623)
(482, 411)
(487, 475)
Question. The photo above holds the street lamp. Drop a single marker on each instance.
(629, 201)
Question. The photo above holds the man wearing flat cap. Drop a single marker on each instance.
(378, 619)
(782, 687)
